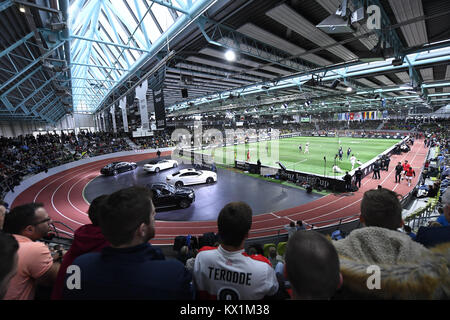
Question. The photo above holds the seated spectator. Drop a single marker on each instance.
(437, 233)
(312, 266)
(2, 214)
(409, 232)
(408, 269)
(131, 268)
(9, 261)
(273, 256)
(29, 223)
(227, 272)
(444, 219)
(191, 261)
(88, 238)
(184, 255)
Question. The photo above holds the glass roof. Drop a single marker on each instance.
(109, 37)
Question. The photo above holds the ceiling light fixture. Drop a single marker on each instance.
(230, 55)
(22, 9)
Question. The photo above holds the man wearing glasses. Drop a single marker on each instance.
(29, 223)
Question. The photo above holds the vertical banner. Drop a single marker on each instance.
(123, 107)
(102, 120)
(352, 116)
(113, 114)
(141, 94)
(160, 111)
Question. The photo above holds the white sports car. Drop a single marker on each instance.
(160, 165)
(191, 176)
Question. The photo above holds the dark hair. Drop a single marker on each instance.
(407, 228)
(381, 208)
(300, 222)
(20, 217)
(292, 224)
(234, 222)
(95, 209)
(8, 249)
(123, 212)
(257, 247)
(312, 265)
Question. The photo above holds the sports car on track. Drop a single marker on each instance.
(160, 165)
(166, 195)
(115, 168)
(191, 176)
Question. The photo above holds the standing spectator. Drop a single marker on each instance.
(9, 261)
(158, 153)
(227, 272)
(88, 238)
(29, 223)
(398, 172)
(358, 177)
(348, 182)
(312, 266)
(130, 268)
(408, 269)
(300, 225)
(291, 229)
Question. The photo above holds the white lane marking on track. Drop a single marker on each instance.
(74, 171)
(70, 190)
(275, 215)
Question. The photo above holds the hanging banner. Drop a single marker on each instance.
(160, 110)
(123, 107)
(141, 94)
(113, 114)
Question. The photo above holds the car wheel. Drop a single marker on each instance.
(157, 170)
(184, 204)
(115, 172)
(209, 180)
(179, 184)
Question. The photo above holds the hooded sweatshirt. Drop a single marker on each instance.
(408, 270)
(88, 238)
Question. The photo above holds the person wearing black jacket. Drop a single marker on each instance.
(398, 172)
(358, 177)
(387, 160)
(376, 170)
(348, 181)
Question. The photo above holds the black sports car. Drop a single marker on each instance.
(166, 195)
(115, 168)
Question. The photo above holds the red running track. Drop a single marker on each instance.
(62, 195)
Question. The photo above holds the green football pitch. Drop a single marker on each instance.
(287, 152)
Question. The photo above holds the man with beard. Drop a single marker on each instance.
(131, 268)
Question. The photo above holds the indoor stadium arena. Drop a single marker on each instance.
(193, 150)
